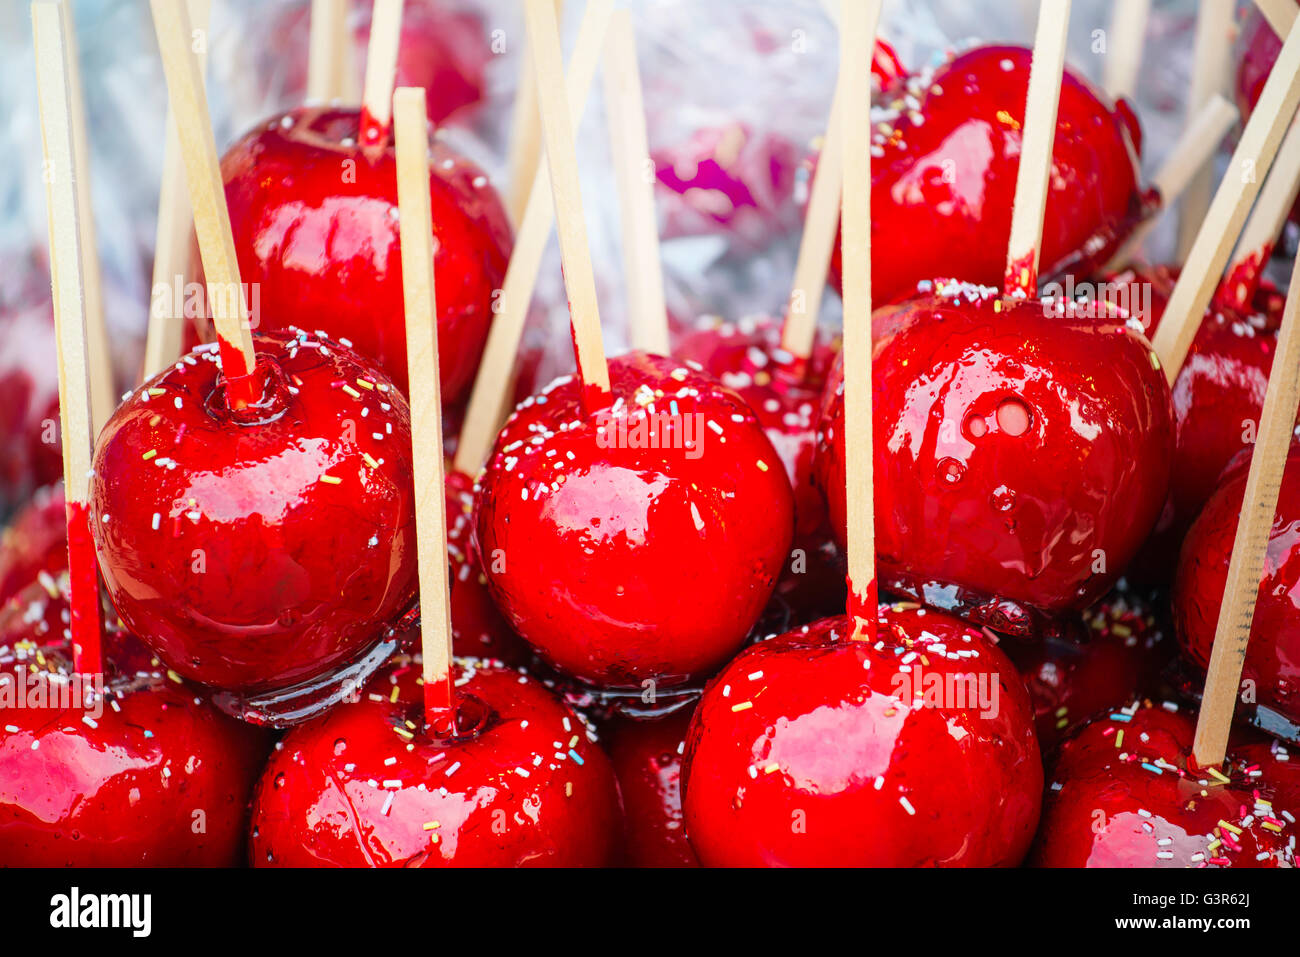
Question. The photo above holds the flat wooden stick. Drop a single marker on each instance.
(1128, 29)
(1038, 140)
(411, 125)
(1250, 548)
(1194, 151)
(858, 23)
(103, 388)
(817, 244)
(525, 134)
(329, 35)
(1280, 14)
(1212, 73)
(562, 160)
(226, 299)
(1260, 234)
(68, 286)
(1241, 184)
(171, 258)
(625, 115)
(381, 70)
(492, 384)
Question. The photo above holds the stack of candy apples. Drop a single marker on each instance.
(992, 575)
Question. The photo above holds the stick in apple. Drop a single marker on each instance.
(625, 116)
(327, 40)
(1267, 219)
(1128, 28)
(54, 83)
(525, 135)
(381, 70)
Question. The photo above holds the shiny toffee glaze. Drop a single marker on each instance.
(1118, 650)
(34, 541)
(785, 396)
(647, 757)
(126, 788)
(946, 154)
(813, 749)
(259, 549)
(316, 228)
(623, 564)
(1125, 793)
(523, 783)
(1217, 397)
(1272, 669)
(1021, 455)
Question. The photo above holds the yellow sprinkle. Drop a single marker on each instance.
(997, 305)
(352, 392)
(1119, 738)
(762, 465)
(366, 384)
(150, 454)
(568, 789)
(173, 676)
(1062, 711)
(370, 460)
(404, 734)
(743, 706)
(157, 392)
(431, 825)
(1231, 827)
(1214, 772)
(393, 697)
(1271, 827)
(772, 768)
(331, 480)
(154, 421)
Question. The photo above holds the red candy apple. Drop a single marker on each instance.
(35, 541)
(445, 51)
(29, 401)
(1271, 677)
(1125, 792)
(146, 774)
(316, 229)
(815, 749)
(258, 549)
(785, 395)
(521, 783)
(944, 175)
(646, 753)
(1022, 453)
(639, 542)
(1118, 651)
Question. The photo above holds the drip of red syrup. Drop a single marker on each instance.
(86, 623)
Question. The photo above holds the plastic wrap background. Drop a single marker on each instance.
(767, 65)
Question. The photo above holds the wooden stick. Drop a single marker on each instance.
(1194, 151)
(858, 23)
(103, 387)
(1128, 29)
(68, 286)
(1249, 549)
(171, 258)
(226, 298)
(411, 126)
(381, 70)
(491, 393)
(1259, 237)
(525, 135)
(625, 115)
(1038, 140)
(1212, 57)
(1205, 263)
(817, 244)
(329, 36)
(562, 160)
(1280, 14)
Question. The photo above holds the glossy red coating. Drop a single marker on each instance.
(1139, 801)
(365, 786)
(315, 225)
(446, 51)
(29, 401)
(647, 757)
(785, 394)
(479, 630)
(944, 175)
(621, 562)
(816, 750)
(1272, 668)
(259, 549)
(1117, 652)
(34, 541)
(1021, 456)
(147, 775)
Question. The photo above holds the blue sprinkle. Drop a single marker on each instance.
(576, 756)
